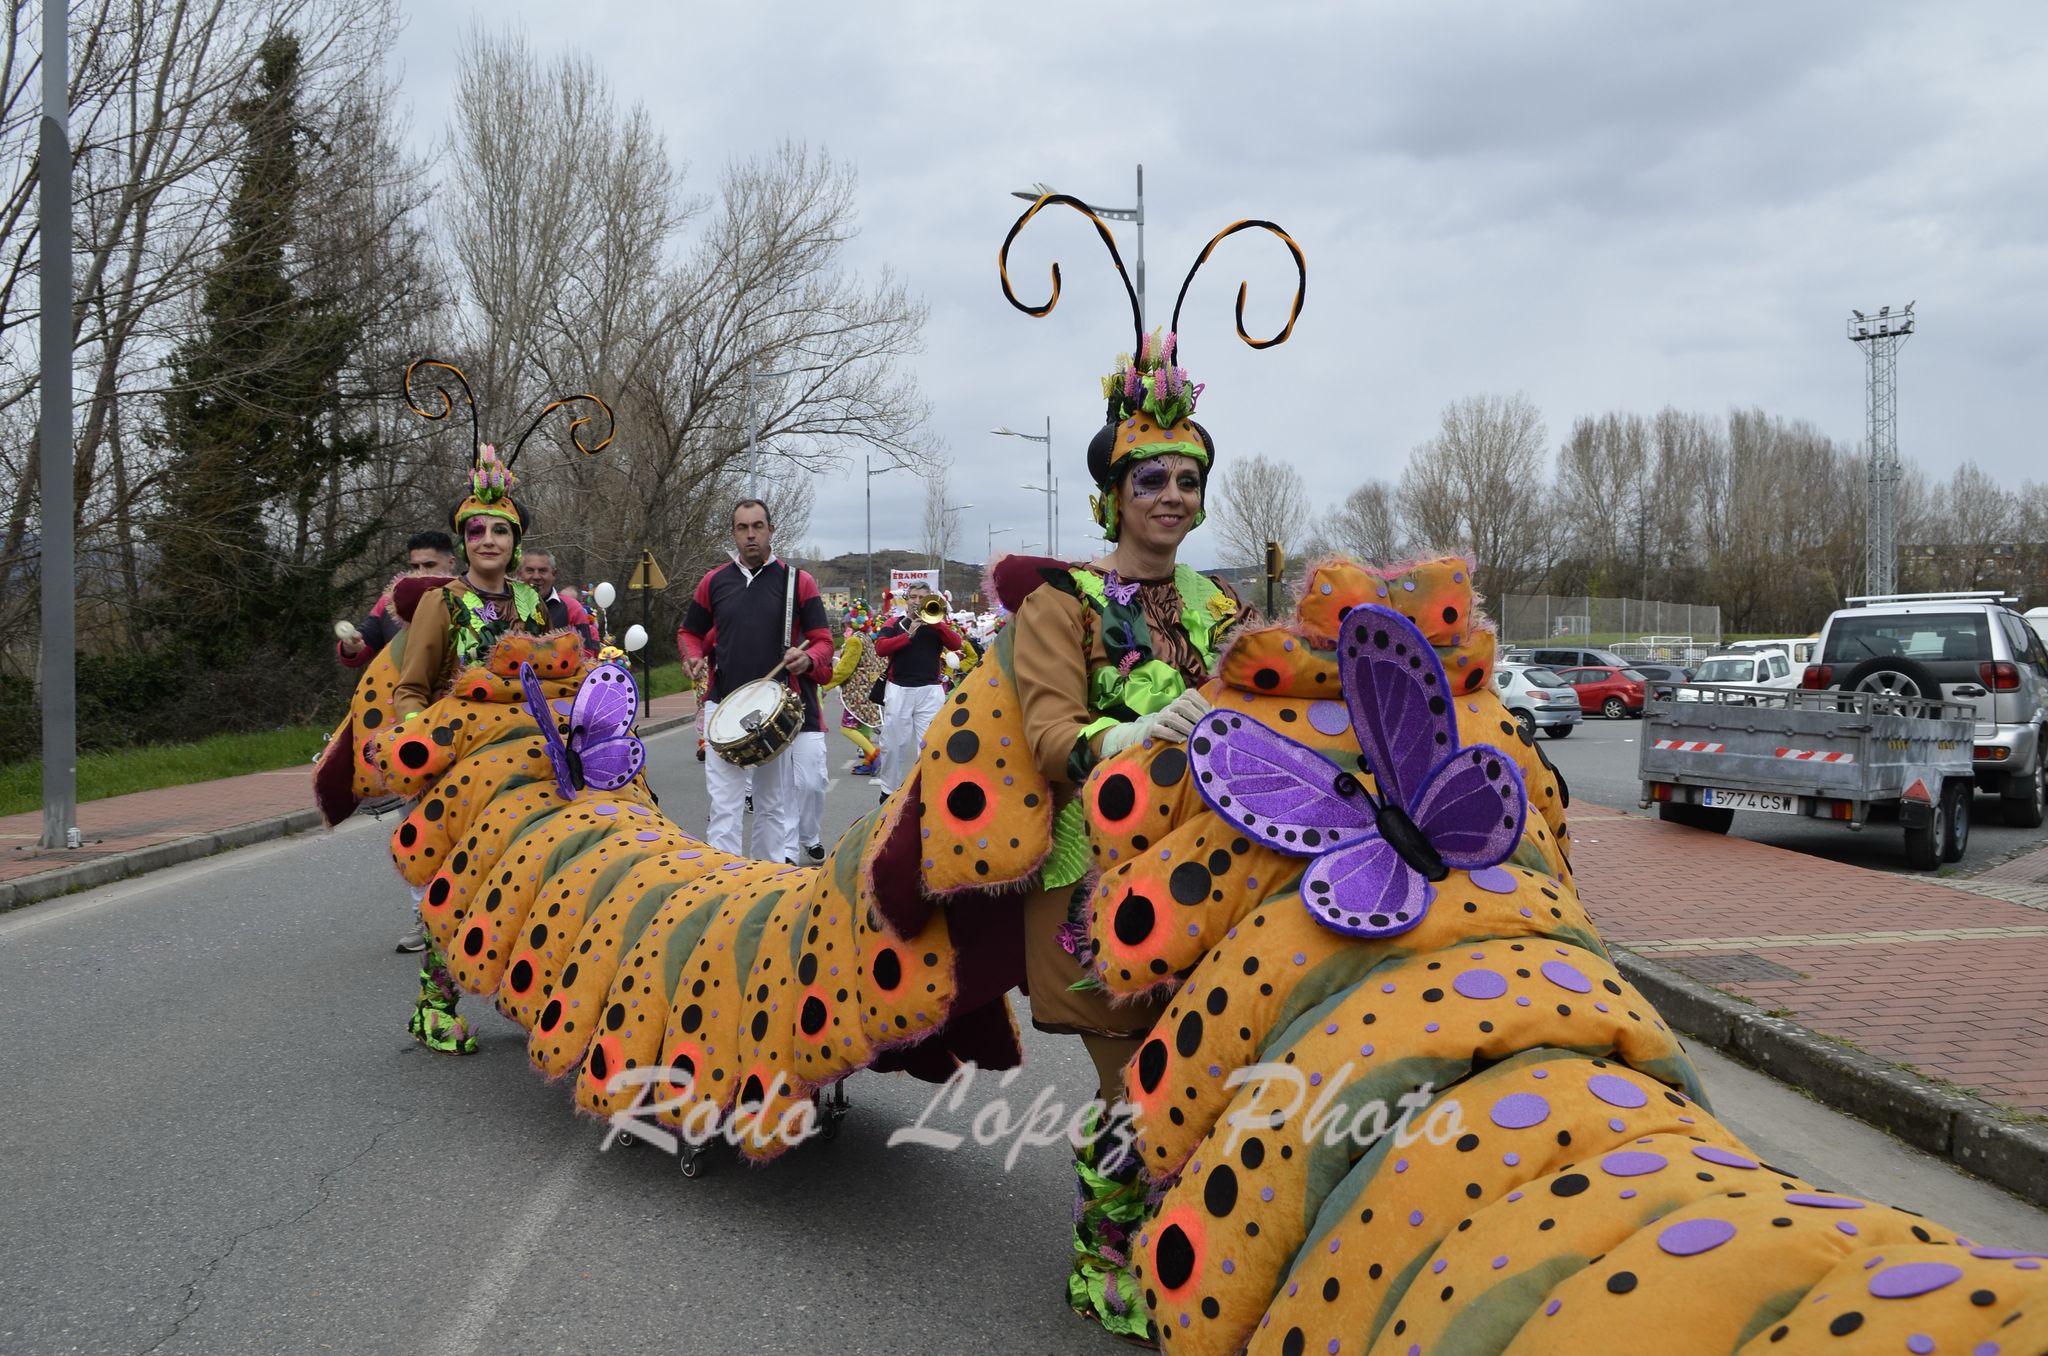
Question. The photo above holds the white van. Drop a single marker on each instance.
(1764, 667)
(1799, 653)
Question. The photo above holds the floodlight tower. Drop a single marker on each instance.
(1881, 335)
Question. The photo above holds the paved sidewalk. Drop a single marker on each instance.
(232, 811)
(1951, 983)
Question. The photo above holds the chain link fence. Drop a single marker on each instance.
(1633, 627)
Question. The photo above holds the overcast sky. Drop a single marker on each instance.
(1605, 206)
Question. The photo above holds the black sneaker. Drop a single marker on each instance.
(815, 853)
(750, 805)
(411, 942)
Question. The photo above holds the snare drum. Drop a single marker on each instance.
(755, 721)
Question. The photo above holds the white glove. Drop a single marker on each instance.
(1178, 720)
(1117, 738)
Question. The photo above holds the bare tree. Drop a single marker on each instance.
(1255, 501)
(1479, 486)
(941, 524)
(1367, 524)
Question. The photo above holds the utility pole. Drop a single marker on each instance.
(59, 668)
(1881, 336)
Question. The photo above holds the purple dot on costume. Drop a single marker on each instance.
(1493, 880)
(647, 835)
(1614, 1123)
(2003, 1254)
(604, 809)
(2028, 1265)
(1920, 1344)
(1400, 1165)
(1566, 976)
(1520, 1110)
(1330, 1030)
(1552, 1307)
(1265, 1193)
(1908, 1279)
(1366, 1050)
(1821, 1202)
(1522, 1000)
(1844, 1226)
(1383, 590)
(1480, 984)
(1229, 1267)
(1511, 1159)
(1408, 585)
(1539, 1073)
(1436, 1268)
(1334, 1346)
(1514, 1196)
(1616, 1091)
(1386, 988)
(1633, 1163)
(1525, 912)
(1315, 1080)
(1330, 718)
(1695, 1236)
(1415, 1217)
(1984, 1349)
(1300, 959)
(1500, 1261)
(1431, 1027)
(1629, 1194)
(1601, 1007)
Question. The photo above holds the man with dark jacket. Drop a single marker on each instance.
(426, 554)
(762, 613)
(537, 568)
(916, 652)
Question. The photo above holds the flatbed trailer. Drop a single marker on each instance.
(1822, 754)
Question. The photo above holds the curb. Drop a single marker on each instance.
(25, 890)
(1965, 1130)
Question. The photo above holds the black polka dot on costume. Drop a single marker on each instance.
(1175, 1256)
(1188, 1037)
(1118, 797)
(1170, 766)
(1621, 1282)
(1571, 1184)
(1844, 1324)
(963, 745)
(1219, 1193)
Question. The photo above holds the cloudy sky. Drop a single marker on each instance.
(1605, 206)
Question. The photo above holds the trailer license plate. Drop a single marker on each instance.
(1750, 800)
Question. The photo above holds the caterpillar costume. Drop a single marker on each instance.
(1566, 1187)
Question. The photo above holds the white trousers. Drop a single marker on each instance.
(772, 785)
(905, 714)
(813, 780)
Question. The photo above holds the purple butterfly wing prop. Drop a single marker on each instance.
(1274, 790)
(1365, 890)
(544, 715)
(1473, 807)
(601, 727)
(1399, 699)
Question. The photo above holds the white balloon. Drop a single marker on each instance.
(636, 638)
(604, 593)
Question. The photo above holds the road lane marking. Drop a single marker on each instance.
(465, 1336)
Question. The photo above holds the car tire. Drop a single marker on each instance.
(1958, 795)
(1907, 678)
(1559, 731)
(1614, 708)
(2027, 809)
(1528, 724)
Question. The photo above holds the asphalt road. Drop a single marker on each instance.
(1598, 760)
(221, 1140)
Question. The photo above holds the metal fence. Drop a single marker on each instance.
(1634, 627)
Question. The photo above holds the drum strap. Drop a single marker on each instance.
(789, 606)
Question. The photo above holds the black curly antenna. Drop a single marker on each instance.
(1300, 286)
(575, 426)
(447, 401)
(1108, 240)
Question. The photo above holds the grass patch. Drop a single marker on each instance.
(124, 770)
(665, 680)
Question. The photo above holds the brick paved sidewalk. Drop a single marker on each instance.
(1906, 968)
(144, 819)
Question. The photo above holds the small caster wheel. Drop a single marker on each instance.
(693, 1161)
(626, 1140)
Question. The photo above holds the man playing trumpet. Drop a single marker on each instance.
(915, 645)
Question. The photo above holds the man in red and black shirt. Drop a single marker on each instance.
(743, 603)
(916, 653)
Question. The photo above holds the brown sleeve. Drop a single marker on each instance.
(1050, 655)
(426, 655)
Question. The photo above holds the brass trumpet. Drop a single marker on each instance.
(933, 611)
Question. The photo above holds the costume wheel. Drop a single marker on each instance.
(692, 1160)
(833, 1104)
(626, 1140)
(1614, 708)
(1956, 798)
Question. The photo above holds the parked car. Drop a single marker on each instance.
(1538, 698)
(1764, 670)
(1965, 647)
(1664, 678)
(1558, 658)
(1614, 691)
(1800, 652)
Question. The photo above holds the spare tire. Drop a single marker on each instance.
(1907, 679)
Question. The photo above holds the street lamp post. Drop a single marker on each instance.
(993, 533)
(1131, 214)
(939, 569)
(1051, 529)
(868, 481)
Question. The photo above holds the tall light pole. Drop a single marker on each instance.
(868, 481)
(940, 567)
(753, 420)
(1881, 335)
(1132, 214)
(993, 533)
(1051, 533)
(59, 658)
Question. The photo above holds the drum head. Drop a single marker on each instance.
(747, 706)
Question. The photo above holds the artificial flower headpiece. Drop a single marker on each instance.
(490, 477)
(1151, 400)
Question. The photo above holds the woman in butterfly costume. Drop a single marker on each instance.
(455, 626)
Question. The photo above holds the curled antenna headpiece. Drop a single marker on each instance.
(576, 426)
(1300, 285)
(1109, 243)
(434, 366)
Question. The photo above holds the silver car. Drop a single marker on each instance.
(1538, 698)
(1965, 647)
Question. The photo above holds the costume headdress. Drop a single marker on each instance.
(490, 476)
(1151, 400)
